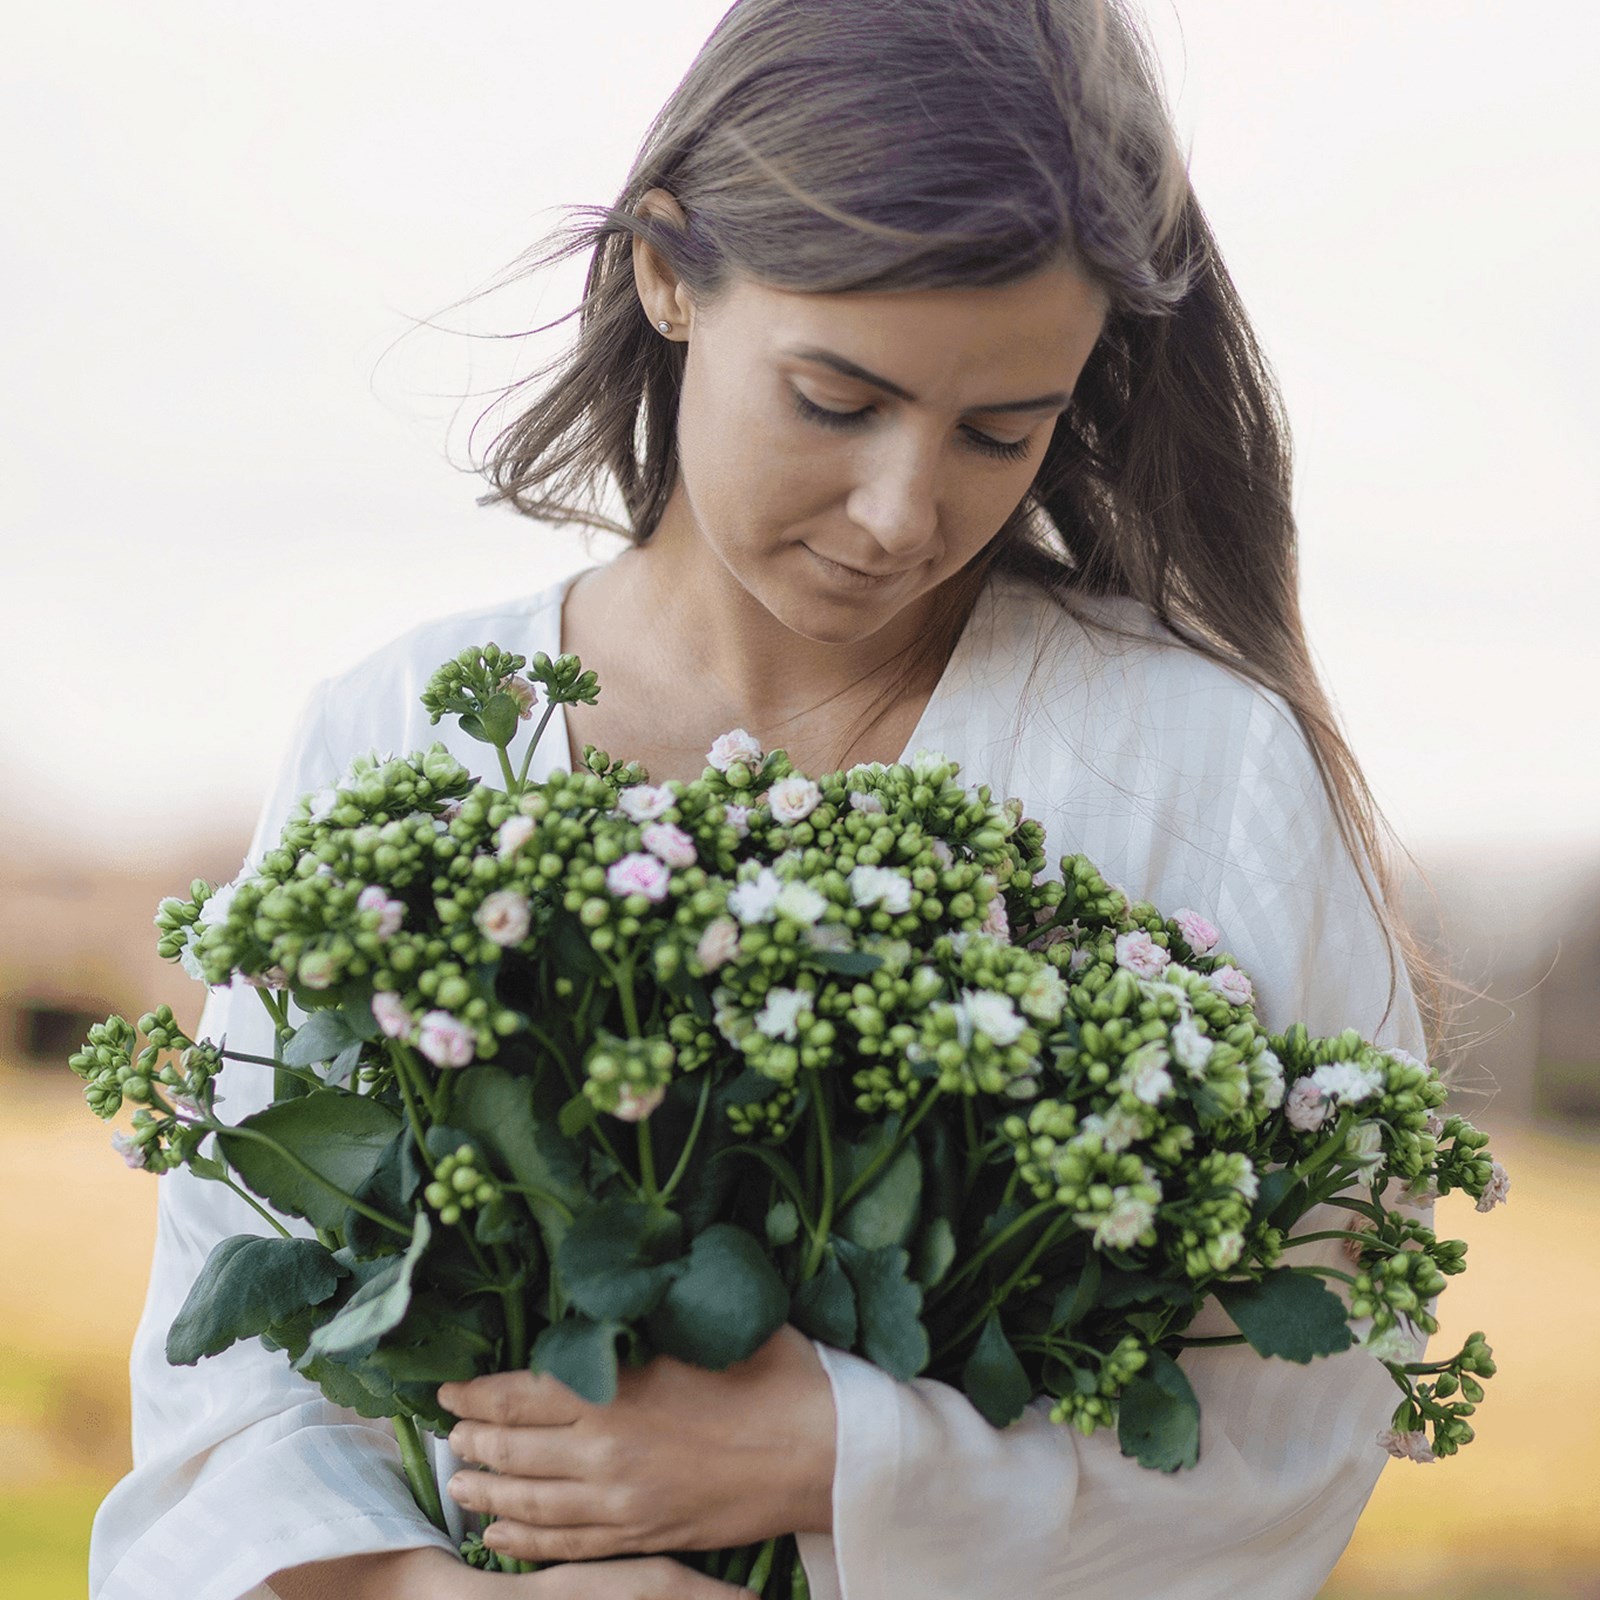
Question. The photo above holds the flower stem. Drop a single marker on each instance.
(419, 1471)
(819, 1239)
(255, 1205)
(880, 1161)
(682, 1164)
(255, 1136)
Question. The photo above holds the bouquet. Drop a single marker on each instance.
(593, 1069)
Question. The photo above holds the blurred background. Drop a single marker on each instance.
(234, 458)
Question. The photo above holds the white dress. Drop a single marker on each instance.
(1188, 786)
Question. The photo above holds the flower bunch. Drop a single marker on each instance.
(591, 1069)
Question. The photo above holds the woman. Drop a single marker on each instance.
(937, 423)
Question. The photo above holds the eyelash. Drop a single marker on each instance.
(1014, 451)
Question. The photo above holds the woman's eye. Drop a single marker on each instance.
(821, 415)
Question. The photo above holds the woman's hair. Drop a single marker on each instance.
(857, 145)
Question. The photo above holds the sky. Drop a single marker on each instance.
(236, 435)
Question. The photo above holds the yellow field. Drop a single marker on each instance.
(1517, 1514)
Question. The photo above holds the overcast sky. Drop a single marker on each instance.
(221, 477)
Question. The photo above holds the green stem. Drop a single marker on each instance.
(819, 1239)
(884, 1157)
(304, 1074)
(419, 1079)
(1185, 1343)
(538, 734)
(418, 1133)
(1040, 1245)
(419, 1471)
(647, 1160)
(255, 1136)
(255, 1205)
(682, 1164)
(984, 1251)
(1324, 1272)
(505, 768)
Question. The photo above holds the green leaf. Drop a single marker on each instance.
(246, 1285)
(496, 1109)
(1078, 1296)
(1288, 1314)
(851, 963)
(379, 1304)
(885, 1213)
(936, 1252)
(1275, 1190)
(356, 1009)
(319, 1038)
(889, 1304)
(783, 1224)
(337, 1135)
(993, 1377)
(1120, 1289)
(454, 1344)
(1158, 1416)
(615, 1259)
(582, 1354)
(343, 1064)
(578, 1113)
(824, 1306)
(726, 1304)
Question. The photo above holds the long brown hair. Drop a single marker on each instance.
(857, 145)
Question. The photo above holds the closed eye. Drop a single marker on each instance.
(1005, 450)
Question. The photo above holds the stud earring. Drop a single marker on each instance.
(664, 326)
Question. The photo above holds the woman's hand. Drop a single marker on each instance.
(435, 1574)
(682, 1458)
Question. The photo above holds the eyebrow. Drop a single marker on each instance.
(1044, 402)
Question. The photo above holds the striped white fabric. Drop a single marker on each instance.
(1189, 787)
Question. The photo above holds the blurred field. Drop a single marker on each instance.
(1517, 1514)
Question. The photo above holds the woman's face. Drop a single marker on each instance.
(892, 433)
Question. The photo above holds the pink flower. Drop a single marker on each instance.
(514, 833)
(719, 943)
(668, 841)
(316, 970)
(1306, 1107)
(738, 819)
(1079, 959)
(523, 691)
(1499, 1188)
(273, 978)
(733, 746)
(873, 804)
(1141, 955)
(130, 1150)
(446, 1041)
(639, 873)
(994, 920)
(1232, 985)
(1200, 936)
(644, 802)
(941, 852)
(390, 912)
(793, 799)
(391, 1014)
(1406, 1446)
(632, 1106)
(503, 918)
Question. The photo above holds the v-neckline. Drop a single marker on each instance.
(917, 741)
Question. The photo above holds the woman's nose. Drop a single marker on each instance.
(897, 498)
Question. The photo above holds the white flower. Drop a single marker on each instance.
(1191, 1048)
(1121, 1226)
(1226, 1249)
(1347, 1081)
(995, 921)
(1117, 1128)
(1201, 936)
(1420, 1193)
(1045, 998)
(719, 943)
(753, 900)
(634, 1106)
(828, 936)
(187, 957)
(514, 833)
(668, 841)
(1248, 1183)
(779, 1017)
(1364, 1144)
(799, 902)
(738, 818)
(644, 802)
(992, 1015)
(1306, 1108)
(1233, 985)
(925, 763)
(735, 745)
(1498, 1190)
(1266, 1074)
(390, 912)
(639, 873)
(881, 886)
(793, 799)
(524, 691)
(1407, 1446)
(445, 1040)
(1079, 959)
(942, 853)
(1405, 1057)
(861, 801)
(391, 1014)
(1145, 1076)
(1393, 1344)
(1434, 1124)
(1141, 955)
(503, 918)
(322, 804)
(131, 1152)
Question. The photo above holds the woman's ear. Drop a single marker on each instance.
(662, 294)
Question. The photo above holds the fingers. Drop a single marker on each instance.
(546, 1504)
(644, 1578)
(516, 1398)
(528, 1452)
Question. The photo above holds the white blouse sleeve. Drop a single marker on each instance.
(241, 1467)
(929, 1499)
